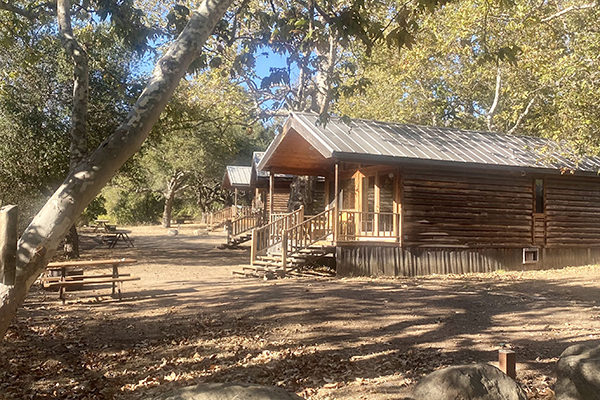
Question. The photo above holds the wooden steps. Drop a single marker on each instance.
(270, 266)
(233, 243)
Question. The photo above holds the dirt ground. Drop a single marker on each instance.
(189, 321)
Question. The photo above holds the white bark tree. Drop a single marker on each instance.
(41, 238)
(81, 86)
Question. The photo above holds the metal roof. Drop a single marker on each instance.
(256, 157)
(237, 177)
(342, 140)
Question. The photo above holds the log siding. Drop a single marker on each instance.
(572, 211)
(460, 209)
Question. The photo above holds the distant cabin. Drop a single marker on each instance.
(407, 200)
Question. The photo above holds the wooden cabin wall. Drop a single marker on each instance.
(445, 208)
(372, 260)
(281, 196)
(572, 211)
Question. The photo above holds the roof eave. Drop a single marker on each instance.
(307, 134)
(374, 158)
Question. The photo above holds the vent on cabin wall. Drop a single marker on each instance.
(531, 255)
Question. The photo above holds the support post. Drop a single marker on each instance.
(507, 362)
(228, 226)
(336, 203)
(253, 246)
(271, 190)
(235, 197)
(284, 244)
(9, 216)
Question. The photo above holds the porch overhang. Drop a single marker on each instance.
(296, 151)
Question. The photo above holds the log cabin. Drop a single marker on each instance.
(237, 178)
(271, 191)
(408, 200)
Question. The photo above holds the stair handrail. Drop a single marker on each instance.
(217, 218)
(269, 235)
(243, 224)
(307, 233)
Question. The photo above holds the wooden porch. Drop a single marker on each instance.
(291, 241)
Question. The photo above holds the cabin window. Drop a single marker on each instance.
(531, 255)
(348, 194)
(539, 196)
(368, 192)
(386, 193)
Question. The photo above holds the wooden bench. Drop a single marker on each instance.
(64, 280)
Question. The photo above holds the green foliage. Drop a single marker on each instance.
(95, 209)
(209, 123)
(549, 72)
(35, 102)
(131, 208)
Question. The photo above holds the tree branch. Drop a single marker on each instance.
(30, 13)
(568, 10)
(80, 82)
(19, 11)
(492, 110)
(522, 115)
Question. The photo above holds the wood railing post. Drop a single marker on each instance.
(336, 203)
(228, 226)
(253, 246)
(284, 248)
(8, 244)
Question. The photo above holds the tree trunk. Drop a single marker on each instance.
(81, 86)
(168, 210)
(41, 238)
(80, 82)
(327, 52)
(71, 248)
(173, 186)
(302, 194)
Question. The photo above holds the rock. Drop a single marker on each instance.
(173, 232)
(468, 382)
(200, 232)
(229, 391)
(578, 373)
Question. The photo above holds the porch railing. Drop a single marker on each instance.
(270, 235)
(243, 224)
(218, 217)
(307, 233)
(355, 225)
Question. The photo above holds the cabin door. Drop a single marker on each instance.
(378, 204)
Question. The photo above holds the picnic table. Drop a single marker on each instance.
(114, 236)
(103, 224)
(65, 280)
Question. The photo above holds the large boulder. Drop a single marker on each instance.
(229, 391)
(468, 382)
(578, 374)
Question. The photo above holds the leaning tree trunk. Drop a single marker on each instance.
(41, 238)
(81, 85)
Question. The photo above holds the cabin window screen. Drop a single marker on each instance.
(539, 196)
